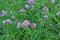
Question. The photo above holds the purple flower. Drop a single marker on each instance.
(58, 13)
(52, 1)
(13, 16)
(22, 10)
(33, 25)
(32, 7)
(45, 16)
(45, 9)
(9, 21)
(18, 25)
(27, 6)
(3, 12)
(31, 1)
(26, 23)
(4, 22)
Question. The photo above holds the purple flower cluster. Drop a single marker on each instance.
(26, 23)
(7, 21)
(27, 6)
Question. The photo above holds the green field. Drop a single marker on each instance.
(46, 28)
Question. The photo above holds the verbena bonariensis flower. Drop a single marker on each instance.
(45, 16)
(45, 9)
(9, 21)
(58, 13)
(26, 23)
(52, 1)
(31, 1)
(27, 6)
(33, 25)
(4, 21)
(32, 7)
(13, 16)
(19, 25)
(3, 12)
(22, 10)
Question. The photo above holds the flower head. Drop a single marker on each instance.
(8, 21)
(27, 6)
(18, 25)
(4, 22)
(31, 1)
(45, 16)
(13, 16)
(33, 25)
(52, 1)
(22, 10)
(3, 12)
(26, 23)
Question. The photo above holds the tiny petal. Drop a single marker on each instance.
(33, 25)
(58, 13)
(4, 22)
(9, 21)
(13, 17)
(45, 16)
(18, 25)
(32, 7)
(27, 6)
(22, 10)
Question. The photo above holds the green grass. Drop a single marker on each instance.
(10, 31)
